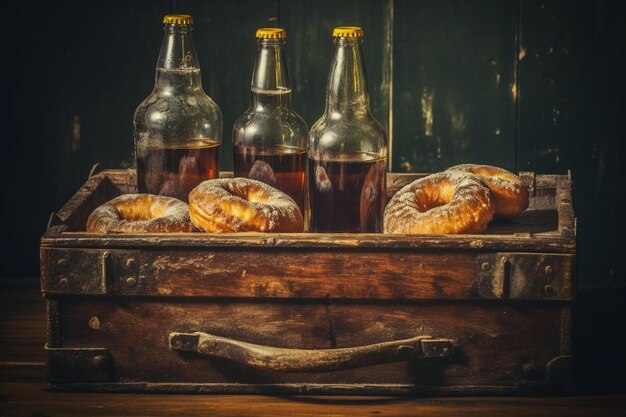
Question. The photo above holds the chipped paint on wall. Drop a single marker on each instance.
(457, 121)
(428, 97)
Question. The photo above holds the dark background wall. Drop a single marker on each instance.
(523, 84)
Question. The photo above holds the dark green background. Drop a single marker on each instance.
(526, 85)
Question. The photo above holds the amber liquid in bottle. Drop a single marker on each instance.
(175, 171)
(285, 171)
(347, 148)
(347, 195)
(177, 128)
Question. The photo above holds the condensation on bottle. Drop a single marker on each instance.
(178, 127)
(347, 148)
(270, 138)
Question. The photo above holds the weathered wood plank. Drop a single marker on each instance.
(32, 398)
(75, 212)
(493, 341)
(570, 116)
(537, 229)
(453, 84)
(308, 274)
(22, 323)
(523, 242)
(564, 204)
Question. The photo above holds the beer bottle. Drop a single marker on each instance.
(347, 148)
(270, 138)
(178, 128)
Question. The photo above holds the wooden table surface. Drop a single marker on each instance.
(23, 389)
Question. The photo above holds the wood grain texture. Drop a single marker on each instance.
(570, 111)
(22, 324)
(494, 342)
(23, 390)
(309, 274)
(32, 398)
(535, 230)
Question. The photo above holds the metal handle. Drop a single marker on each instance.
(310, 360)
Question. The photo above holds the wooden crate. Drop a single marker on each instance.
(312, 312)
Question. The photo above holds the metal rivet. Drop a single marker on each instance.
(94, 323)
(549, 270)
(549, 289)
(130, 262)
(531, 370)
(446, 351)
(64, 282)
(98, 360)
(131, 281)
(62, 262)
(485, 266)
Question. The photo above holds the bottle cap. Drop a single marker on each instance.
(179, 19)
(271, 33)
(348, 32)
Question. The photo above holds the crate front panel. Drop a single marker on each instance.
(495, 343)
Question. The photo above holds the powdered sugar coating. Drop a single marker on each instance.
(141, 213)
(447, 202)
(509, 192)
(243, 205)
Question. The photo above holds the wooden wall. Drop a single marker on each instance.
(523, 84)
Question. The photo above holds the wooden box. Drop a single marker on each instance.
(312, 313)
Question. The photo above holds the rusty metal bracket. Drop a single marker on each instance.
(78, 365)
(88, 271)
(437, 348)
(525, 276)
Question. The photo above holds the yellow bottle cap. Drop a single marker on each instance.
(271, 33)
(348, 32)
(179, 19)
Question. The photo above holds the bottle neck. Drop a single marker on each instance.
(270, 80)
(346, 92)
(178, 66)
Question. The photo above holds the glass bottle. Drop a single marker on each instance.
(270, 138)
(178, 128)
(347, 148)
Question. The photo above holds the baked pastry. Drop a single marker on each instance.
(446, 202)
(141, 213)
(509, 192)
(243, 205)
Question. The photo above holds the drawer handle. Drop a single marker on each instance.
(310, 360)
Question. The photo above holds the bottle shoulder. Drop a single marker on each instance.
(255, 128)
(160, 107)
(270, 119)
(365, 124)
(339, 133)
